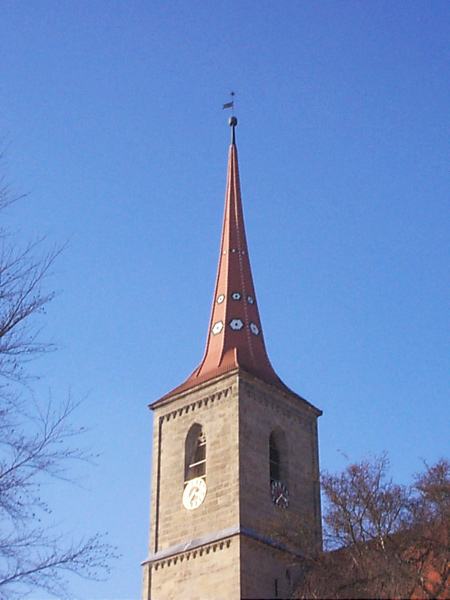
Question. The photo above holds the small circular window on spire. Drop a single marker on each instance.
(220, 299)
(250, 300)
(217, 327)
(254, 328)
(236, 295)
(236, 324)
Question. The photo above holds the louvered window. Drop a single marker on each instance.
(278, 456)
(195, 453)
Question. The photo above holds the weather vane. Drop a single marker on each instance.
(230, 104)
(232, 120)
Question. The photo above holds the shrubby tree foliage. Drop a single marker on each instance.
(37, 440)
(383, 540)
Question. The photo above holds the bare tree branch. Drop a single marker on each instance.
(384, 540)
(38, 442)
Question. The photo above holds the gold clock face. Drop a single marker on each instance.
(194, 493)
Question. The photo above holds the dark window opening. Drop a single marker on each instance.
(274, 459)
(195, 459)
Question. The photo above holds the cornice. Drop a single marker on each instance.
(190, 554)
(215, 542)
(208, 400)
(289, 404)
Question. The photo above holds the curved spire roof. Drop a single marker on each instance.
(235, 338)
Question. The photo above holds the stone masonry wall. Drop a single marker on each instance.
(215, 407)
(211, 572)
(264, 570)
(200, 553)
(262, 409)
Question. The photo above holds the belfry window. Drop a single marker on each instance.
(278, 460)
(274, 459)
(195, 453)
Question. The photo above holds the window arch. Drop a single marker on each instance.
(195, 453)
(278, 459)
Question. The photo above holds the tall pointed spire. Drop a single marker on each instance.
(235, 339)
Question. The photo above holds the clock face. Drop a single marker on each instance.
(280, 494)
(194, 493)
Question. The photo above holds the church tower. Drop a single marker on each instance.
(235, 486)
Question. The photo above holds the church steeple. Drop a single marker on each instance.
(235, 338)
(233, 451)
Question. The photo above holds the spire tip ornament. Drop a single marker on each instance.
(232, 121)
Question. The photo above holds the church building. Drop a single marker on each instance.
(235, 499)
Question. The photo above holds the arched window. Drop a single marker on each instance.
(195, 453)
(278, 460)
(274, 459)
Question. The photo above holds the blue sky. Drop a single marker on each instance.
(112, 113)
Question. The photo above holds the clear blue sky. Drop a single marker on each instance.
(113, 114)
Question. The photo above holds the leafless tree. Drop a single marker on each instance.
(37, 440)
(432, 529)
(383, 540)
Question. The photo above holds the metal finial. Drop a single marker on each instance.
(233, 122)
